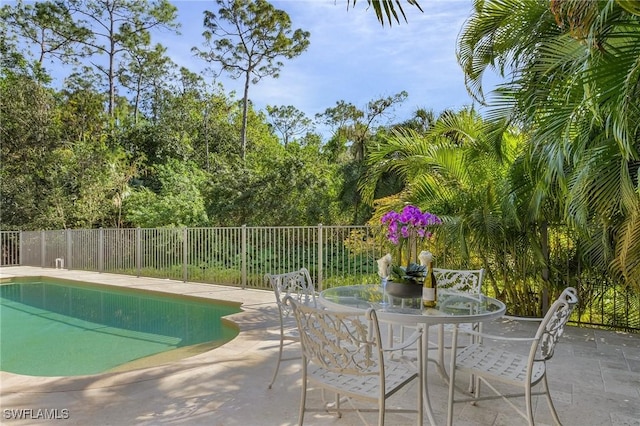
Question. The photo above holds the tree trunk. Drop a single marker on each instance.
(245, 110)
(111, 71)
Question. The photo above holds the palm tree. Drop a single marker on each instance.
(461, 169)
(573, 80)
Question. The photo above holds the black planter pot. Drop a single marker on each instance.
(404, 289)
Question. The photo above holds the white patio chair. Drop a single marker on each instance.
(467, 281)
(342, 352)
(492, 363)
(298, 285)
(459, 280)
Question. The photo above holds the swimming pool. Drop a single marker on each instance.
(51, 327)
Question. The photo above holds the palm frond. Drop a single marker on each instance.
(631, 6)
(499, 35)
(627, 259)
(388, 11)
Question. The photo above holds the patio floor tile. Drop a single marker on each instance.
(594, 378)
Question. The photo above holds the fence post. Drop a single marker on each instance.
(20, 247)
(101, 250)
(43, 249)
(244, 256)
(320, 256)
(185, 254)
(67, 235)
(138, 250)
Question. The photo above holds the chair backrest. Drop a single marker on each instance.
(552, 326)
(347, 343)
(459, 280)
(296, 284)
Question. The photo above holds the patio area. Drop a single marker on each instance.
(594, 377)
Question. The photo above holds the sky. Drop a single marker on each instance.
(351, 57)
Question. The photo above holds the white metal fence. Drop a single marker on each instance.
(237, 256)
(334, 255)
(10, 245)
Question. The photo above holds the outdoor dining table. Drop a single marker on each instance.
(452, 308)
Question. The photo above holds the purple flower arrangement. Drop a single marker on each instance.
(410, 221)
(407, 228)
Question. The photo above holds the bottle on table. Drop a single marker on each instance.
(429, 288)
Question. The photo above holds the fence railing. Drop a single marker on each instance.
(241, 256)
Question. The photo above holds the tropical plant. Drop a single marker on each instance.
(572, 82)
(462, 169)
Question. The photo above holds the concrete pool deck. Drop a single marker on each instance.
(594, 377)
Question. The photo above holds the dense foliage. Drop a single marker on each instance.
(127, 139)
(548, 178)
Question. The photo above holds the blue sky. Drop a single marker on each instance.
(351, 57)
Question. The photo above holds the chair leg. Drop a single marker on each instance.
(381, 409)
(452, 376)
(275, 373)
(476, 389)
(303, 397)
(420, 393)
(527, 399)
(473, 340)
(552, 408)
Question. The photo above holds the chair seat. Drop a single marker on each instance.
(397, 375)
(489, 362)
(500, 364)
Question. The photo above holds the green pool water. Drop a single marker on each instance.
(52, 328)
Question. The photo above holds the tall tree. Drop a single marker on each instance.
(47, 28)
(289, 121)
(246, 38)
(354, 130)
(357, 126)
(142, 72)
(28, 131)
(117, 27)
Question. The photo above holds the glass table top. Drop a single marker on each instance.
(451, 307)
